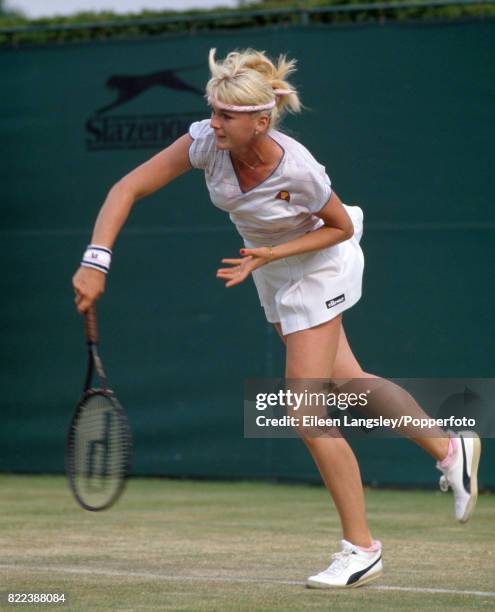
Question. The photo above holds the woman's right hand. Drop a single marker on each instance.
(89, 285)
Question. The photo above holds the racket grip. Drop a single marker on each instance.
(91, 326)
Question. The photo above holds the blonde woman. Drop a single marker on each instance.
(301, 246)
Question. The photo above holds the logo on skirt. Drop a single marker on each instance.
(336, 300)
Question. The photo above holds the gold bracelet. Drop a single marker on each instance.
(270, 254)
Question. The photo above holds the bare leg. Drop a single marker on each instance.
(311, 354)
(347, 366)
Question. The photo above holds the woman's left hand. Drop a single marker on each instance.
(240, 269)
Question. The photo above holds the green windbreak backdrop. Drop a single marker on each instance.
(402, 118)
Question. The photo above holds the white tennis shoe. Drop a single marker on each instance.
(351, 567)
(462, 474)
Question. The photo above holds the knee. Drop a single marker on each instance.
(320, 438)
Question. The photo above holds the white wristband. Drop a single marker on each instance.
(97, 257)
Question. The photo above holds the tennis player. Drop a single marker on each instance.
(301, 247)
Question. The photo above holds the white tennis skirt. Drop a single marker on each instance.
(305, 290)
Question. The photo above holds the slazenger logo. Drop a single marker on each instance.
(140, 131)
(336, 300)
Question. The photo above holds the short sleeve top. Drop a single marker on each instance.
(282, 207)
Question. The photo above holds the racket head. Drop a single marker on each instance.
(99, 447)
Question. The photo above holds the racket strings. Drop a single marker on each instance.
(101, 447)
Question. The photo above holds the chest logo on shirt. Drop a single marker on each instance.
(283, 195)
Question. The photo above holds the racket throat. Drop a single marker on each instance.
(95, 363)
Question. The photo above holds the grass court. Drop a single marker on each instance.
(197, 545)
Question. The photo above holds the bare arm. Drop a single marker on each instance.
(147, 178)
(142, 181)
(338, 227)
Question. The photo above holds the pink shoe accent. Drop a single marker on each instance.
(451, 453)
(375, 547)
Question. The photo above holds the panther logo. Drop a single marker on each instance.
(129, 87)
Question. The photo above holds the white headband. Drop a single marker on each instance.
(249, 109)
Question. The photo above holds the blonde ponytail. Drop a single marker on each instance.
(248, 78)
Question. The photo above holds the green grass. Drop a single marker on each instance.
(186, 545)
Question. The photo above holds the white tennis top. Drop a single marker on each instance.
(280, 208)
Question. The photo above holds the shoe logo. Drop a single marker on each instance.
(336, 300)
(466, 481)
(283, 195)
(357, 575)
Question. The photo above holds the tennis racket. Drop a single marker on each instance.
(99, 443)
